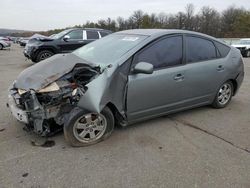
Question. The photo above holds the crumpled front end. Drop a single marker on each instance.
(44, 110)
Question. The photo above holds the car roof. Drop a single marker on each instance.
(161, 32)
(89, 29)
(152, 32)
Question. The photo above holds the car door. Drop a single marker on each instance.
(92, 35)
(75, 40)
(149, 95)
(205, 71)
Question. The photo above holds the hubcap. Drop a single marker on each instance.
(224, 94)
(45, 55)
(90, 127)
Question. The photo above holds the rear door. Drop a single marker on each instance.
(205, 70)
(149, 95)
(92, 35)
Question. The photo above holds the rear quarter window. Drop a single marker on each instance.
(223, 49)
(103, 34)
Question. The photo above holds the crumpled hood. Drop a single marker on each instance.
(47, 71)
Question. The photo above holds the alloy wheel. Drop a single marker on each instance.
(90, 127)
(224, 94)
(45, 55)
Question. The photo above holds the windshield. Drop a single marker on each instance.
(108, 49)
(59, 35)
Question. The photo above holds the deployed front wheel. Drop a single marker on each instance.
(84, 128)
(224, 95)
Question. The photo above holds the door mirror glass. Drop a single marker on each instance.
(144, 68)
(66, 38)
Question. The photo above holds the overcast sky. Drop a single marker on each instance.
(51, 14)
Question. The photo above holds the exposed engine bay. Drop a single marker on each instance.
(47, 108)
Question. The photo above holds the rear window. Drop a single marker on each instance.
(223, 49)
(92, 35)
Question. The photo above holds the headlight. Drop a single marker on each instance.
(21, 91)
(50, 88)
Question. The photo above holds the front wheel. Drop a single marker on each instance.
(1, 46)
(224, 95)
(44, 54)
(84, 128)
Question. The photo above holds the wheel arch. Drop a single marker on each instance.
(235, 85)
(119, 118)
(53, 50)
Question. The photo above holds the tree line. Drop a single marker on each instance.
(232, 22)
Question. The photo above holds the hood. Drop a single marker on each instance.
(45, 72)
(40, 37)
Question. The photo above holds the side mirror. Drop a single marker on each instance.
(144, 68)
(66, 38)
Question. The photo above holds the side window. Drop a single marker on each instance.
(103, 34)
(92, 35)
(199, 49)
(164, 53)
(223, 49)
(76, 35)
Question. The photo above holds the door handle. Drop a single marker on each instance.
(179, 77)
(220, 68)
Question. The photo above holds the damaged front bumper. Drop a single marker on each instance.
(27, 109)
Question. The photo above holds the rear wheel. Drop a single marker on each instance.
(44, 54)
(85, 129)
(1, 46)
(224, 95)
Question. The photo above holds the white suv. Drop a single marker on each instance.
(244, 46)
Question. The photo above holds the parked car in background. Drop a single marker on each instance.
(23, 41)
(244, 46)
(4, 43)
(126, 77)
(66, 41)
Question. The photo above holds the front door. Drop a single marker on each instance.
(75, 41)
(152, 94)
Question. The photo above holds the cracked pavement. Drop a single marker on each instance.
(203, 147)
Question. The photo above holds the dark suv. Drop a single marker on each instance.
(66, 41)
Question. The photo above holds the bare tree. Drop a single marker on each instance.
(189, 17)
(137, 18)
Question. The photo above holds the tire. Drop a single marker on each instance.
(44, 54)
(248, 53)
(223, 95)
(1, 46)
(84, 128)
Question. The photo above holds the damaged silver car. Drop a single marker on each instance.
(124, 78)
